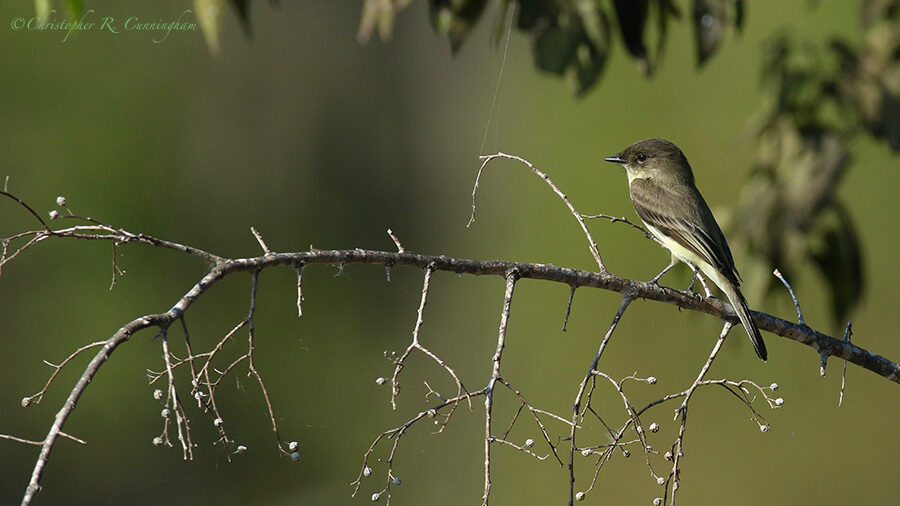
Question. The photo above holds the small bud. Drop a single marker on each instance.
(587, 452)
(54, 214)
(638, 429)
(158, 441)
(396, 480)
(657, 501)
(380, 381)
(61, 201)
(764, 428)
(240, 449)
(626, 453)
(26, 401)
(218, 422)
(649, 448)
(660, 481)
(158, 394)
(367, 471)
(779, 401)
(376, 496)
(295, 456)
(654, 427)
(773, 387)
(579, 496)
(668, 456)
(529, 443)
(293, 446)
(651, 380)
(166, 413)
(431, 413)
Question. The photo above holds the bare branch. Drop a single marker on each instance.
(259, 239)
(511, 277)
(631, 290)
(787, 285)
(487, 159)
(627, 298)
(400, 248)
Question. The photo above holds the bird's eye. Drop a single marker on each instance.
(642, 158)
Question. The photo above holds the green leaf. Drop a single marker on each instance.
(242, 7)
(42, 8)
(592, 52)
(664, 9)
(74, 8)
(455, 18)
(589, 63)
(709, 24)
(209, 16)
(632, 15)
(839, 258)
(554, 46)
(379, 14)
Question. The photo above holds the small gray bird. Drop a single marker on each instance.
(664, 195)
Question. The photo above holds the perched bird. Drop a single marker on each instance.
(664, 195)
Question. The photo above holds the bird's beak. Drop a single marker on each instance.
(616, 159)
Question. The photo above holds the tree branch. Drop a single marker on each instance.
(629, 289)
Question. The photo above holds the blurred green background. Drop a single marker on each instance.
(314, 139)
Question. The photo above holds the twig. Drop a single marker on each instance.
(90, 371)
(222, 267)
(36, 398)
(569, 306)
(627, 298)
(259, 239)
(678, 447)
(38, 443)
(400, 248)
(299, 269)
(778, 275)
(622, 219)
(511, 278)
(251, 346)
(848, 331)
(416, 345)
(181, 421)
(592, 244)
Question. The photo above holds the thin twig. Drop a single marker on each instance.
(621, 219)
(416, 345)
(678, 447)
(778, 275)
(848, 331)
(36, 398)
(400, 248)
(569, 306)
(259, 239)
(576, 410)
(511, 278)
(222, 267)
(592, 244)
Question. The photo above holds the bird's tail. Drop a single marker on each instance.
(740, 307)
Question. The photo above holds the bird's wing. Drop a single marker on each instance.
(694, 229)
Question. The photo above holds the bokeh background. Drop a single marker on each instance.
(314, 139)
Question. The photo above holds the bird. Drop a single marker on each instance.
(666, 198)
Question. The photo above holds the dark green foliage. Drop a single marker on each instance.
(632, 16)
(569, 37)
(821, 96)
(455, 18)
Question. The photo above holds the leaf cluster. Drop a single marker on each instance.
(573, 38)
